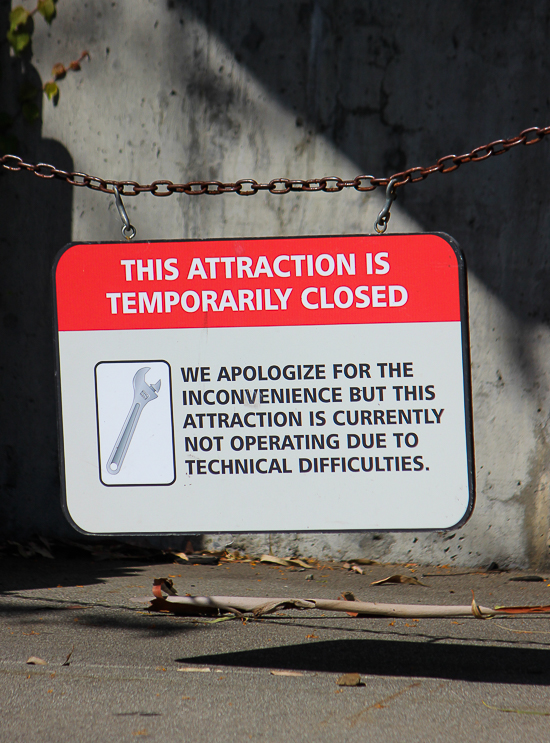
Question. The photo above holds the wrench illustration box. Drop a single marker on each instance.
(135, 438)
(282, 384)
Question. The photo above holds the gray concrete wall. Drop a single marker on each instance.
(196, 89)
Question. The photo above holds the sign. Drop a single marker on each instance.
(285, 384)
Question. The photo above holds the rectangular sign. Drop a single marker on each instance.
(281, 384)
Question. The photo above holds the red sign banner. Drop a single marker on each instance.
(253, 283)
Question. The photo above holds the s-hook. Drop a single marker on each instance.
(128, 229)
(381, 223)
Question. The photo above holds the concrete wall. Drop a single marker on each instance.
(201, 89)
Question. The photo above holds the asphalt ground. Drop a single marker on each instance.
(133, 674)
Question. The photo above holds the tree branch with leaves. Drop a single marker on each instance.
(19, 37)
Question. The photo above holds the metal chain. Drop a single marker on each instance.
(249, 187)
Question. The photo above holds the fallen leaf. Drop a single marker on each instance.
(163, 584)
(349, 596)
(203, 560)
(276, 560)
(527, 579)
(286, 673)
(23, 551)
(350, 679)
(398, 579)
(312, 637)
(67, 659)
(194, 670)
(517, 711)
(363, 561)
(357, 569)
(301, 563)
(523, 609)
(42, 551)
(34, 661)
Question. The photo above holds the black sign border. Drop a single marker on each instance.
(466, 367)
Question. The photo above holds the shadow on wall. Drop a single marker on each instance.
(35, 224)
(392, 85)
(398, 84)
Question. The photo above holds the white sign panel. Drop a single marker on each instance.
(264, 385)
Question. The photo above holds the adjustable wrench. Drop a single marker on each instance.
(143, 393)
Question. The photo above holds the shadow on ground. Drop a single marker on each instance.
(17, 574)
(397, 658)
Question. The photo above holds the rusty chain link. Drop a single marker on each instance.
(249, 187)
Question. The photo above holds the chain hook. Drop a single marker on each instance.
(128, 229)
(381, 222)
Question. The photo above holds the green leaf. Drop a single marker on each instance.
(30, 111)
(18, 17)
(46, 8)
(27, 92)
(51, 90)
(18, 41)
(59, 71)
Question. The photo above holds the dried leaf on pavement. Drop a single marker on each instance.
(276, 560)
(34, 661)
(296, 561)
(363, 561)
(350, 679)
(181, 555)
(41, 550)
(349, 596)
(68, 658)
(523, 609)
(398, 579)
(286, 673)
(353, 566)
(163, 584)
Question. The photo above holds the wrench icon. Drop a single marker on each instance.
(143, 393)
